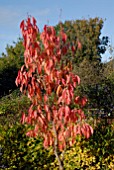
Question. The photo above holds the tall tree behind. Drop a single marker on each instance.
(85, 34)
(9, 65)
(84, 37)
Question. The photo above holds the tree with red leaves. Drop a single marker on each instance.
(56, 112)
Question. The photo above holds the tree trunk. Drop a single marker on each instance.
(60, 161)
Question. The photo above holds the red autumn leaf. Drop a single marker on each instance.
(63, 36)
(28, 21)
(73, 48)
(28, 120)
(91, 129)
(68, 98)
(79, 45)
(35, 115)
(78, 79)
(48, 116)
(78, 129)
(64, 50)
(86, 130)
(75, 130)
(67, 110)
(46, 142)
(45, 98)
(46, 108)
(22, 26)
(68, 133)
(68, 77)
(77, 100)
(23, 118)
(59, 90)
(41, 121)
(83, 101)
(60, 112)
(29, 133)
(36, 129)
(34, 21)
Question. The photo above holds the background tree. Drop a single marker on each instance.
(87, 45)
(10, 63)
(86, 35)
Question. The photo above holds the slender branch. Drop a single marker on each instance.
(63, 153)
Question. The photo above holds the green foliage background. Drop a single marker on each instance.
(21, 152)
(10, 63)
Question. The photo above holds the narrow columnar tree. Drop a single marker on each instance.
(56, 112)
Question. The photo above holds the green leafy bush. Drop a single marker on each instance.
(23, 153)
(14, 103)
(96, 153)
(19, 151)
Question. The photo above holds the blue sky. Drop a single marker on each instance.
(12, 12)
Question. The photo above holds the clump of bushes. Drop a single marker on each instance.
(23, 153)
(19, 151)
(14, 103)
(96, 153)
